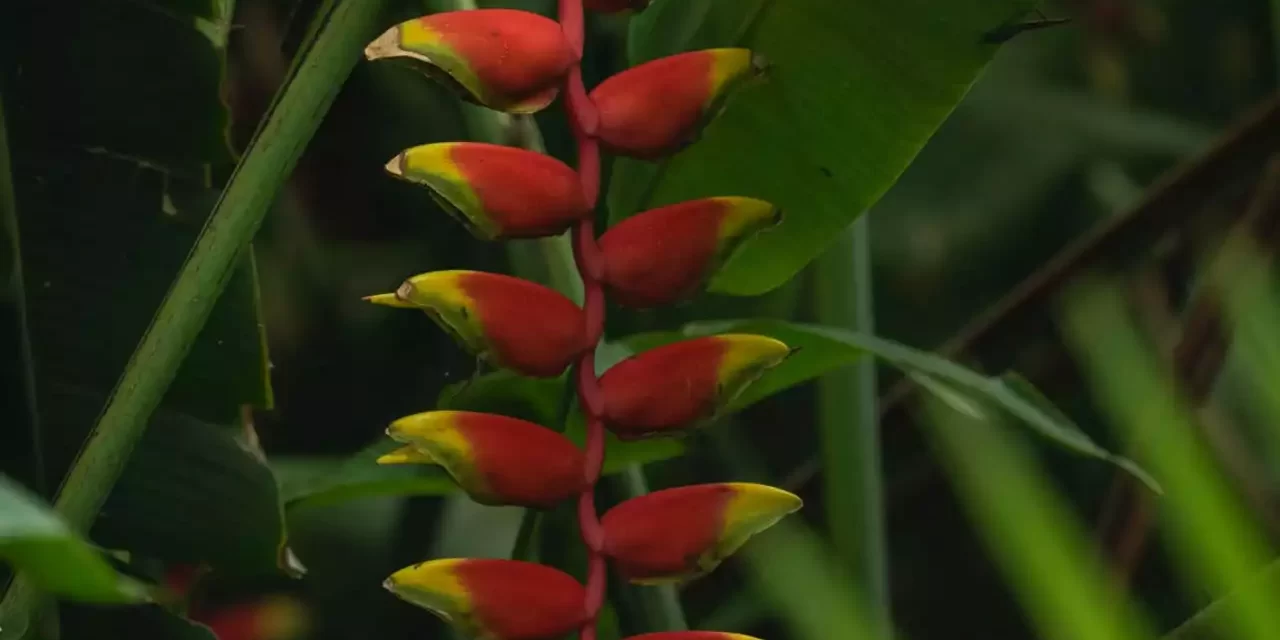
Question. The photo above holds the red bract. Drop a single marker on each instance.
(494, 599)
(496, 191)
(665, 255)
(503, 59)
(497, 460)
(685, 384)
(683, 533)
(507, 321)
(660, 107)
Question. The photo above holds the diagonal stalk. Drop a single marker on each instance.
(319, 71)
(849, 423)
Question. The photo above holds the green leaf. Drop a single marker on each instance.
(231, 515)
(854, 91)
(503, 392)
(825, 348)
(315, 481)
(34, 540)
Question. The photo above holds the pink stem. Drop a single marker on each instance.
(584, 119)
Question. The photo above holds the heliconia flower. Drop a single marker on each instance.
(683, 533)
(685, 384)
(507, 60)
(667, 254)
(497, 460)
(509, 322)
(692, 635)
(659, 107)
(271, 618)
(496, 191)
(614, 6)
(490, 599)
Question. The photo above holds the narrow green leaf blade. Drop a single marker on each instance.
(35, 541)
(951, 382)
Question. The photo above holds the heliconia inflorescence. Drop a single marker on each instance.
(494, 599)
(497, 460)
(683, 385)
(496, 192)
(472, 52)
(714, 521)
(666, 255)
(519, 62)
(509, 322)
(660, 107)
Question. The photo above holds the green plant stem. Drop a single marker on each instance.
(314, 81)
(849, 423)
(16, 288)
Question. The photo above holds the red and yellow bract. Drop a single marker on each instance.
(503, 59)
(685, 384)
(491, 599)
(666, 255)
(657, 108)
(683, 533)
(512, 323)
(495, 191)
(496, 459)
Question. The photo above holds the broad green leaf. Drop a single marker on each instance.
(35, 541)
(959, 387)
(854, 91)
(230, 511)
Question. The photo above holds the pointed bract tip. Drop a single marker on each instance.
(395, 166)
(389, 300)
(760, 65)
(406, 455)
(386, 45)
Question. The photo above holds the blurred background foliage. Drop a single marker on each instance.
(1057, 142)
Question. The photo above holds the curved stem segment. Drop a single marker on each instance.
(586, 253)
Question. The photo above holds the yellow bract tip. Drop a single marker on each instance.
(751, 498)
(730, 66)
(389, 300)
(432, 585)
(753, 508)
(406, 455)
(749, 351)
(744, 216)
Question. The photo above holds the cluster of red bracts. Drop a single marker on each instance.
(517, 62)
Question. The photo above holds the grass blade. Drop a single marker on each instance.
(848, 421)
(1211, 535)
(1029, 530)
